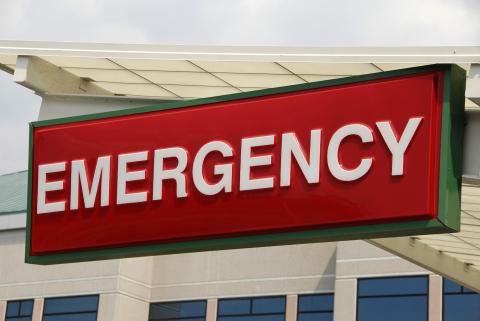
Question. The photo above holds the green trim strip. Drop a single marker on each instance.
(325, 235)
(449, 183)
(451, 151)
(29, 195)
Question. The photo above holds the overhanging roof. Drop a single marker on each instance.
(184, 72)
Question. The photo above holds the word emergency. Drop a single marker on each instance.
(291, 150)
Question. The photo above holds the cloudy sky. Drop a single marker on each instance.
(218, 22)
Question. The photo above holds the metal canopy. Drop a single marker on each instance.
(187, 79)
(184, 72)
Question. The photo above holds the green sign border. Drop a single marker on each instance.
(449, 184)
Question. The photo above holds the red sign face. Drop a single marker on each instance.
(325, 157)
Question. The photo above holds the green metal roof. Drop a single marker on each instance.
(13, 192)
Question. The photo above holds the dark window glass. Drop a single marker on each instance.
(451, 287)
(183, 311)
(268, 305)
(13, 309)
(19, 310)
(234, 307)
(393, 299)
(316, 307)
(90, 316)
(26, 308)
(264, 317)
(252, 309)
(393, 286)
(80, 308)
(460, 303)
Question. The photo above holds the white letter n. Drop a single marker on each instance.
(291, 146)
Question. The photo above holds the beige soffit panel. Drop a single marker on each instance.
(242, 67)
(147, 90)
(182, 78)
(260, 80)
(76, 62)
(156, 64)
(200, 91)
(121, 76)
(333, 69)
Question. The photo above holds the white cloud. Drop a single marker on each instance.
(267, 22)
(220, 22)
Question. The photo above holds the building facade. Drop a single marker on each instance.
(344, 281)
(340, 281)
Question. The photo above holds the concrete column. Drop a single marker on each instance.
(120, 307)
(435, 297)
(292, 308)
(212, 307)
(3, 310)
(345, 305)
(106, 307)
(37, 309)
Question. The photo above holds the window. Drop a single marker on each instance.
(460, 303)
(315, 307)
(252, 309)
(80, 308)
(19, 310)
(393, 299)
(178, 311)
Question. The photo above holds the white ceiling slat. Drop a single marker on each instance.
(148, 90)
(120, 76)
(242, 67)
(182, 78)
(469, 195)
(200, 91)
(470, 221)
(443, 237)
(457, 242)
(87, 63)
(473, 214)
(330, 69)
(455, 250)
(470, 199)
(259, 80)
(312, 78)
(470, 206)
(465, 257)
(391, 66)
(470, 228)
(245, 89)
(470, 190)
(473, 241)
(157, 65)
(439, 243)
(466, 234)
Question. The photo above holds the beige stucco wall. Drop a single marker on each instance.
(126, 287)
(19, 280)
(269, 270)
